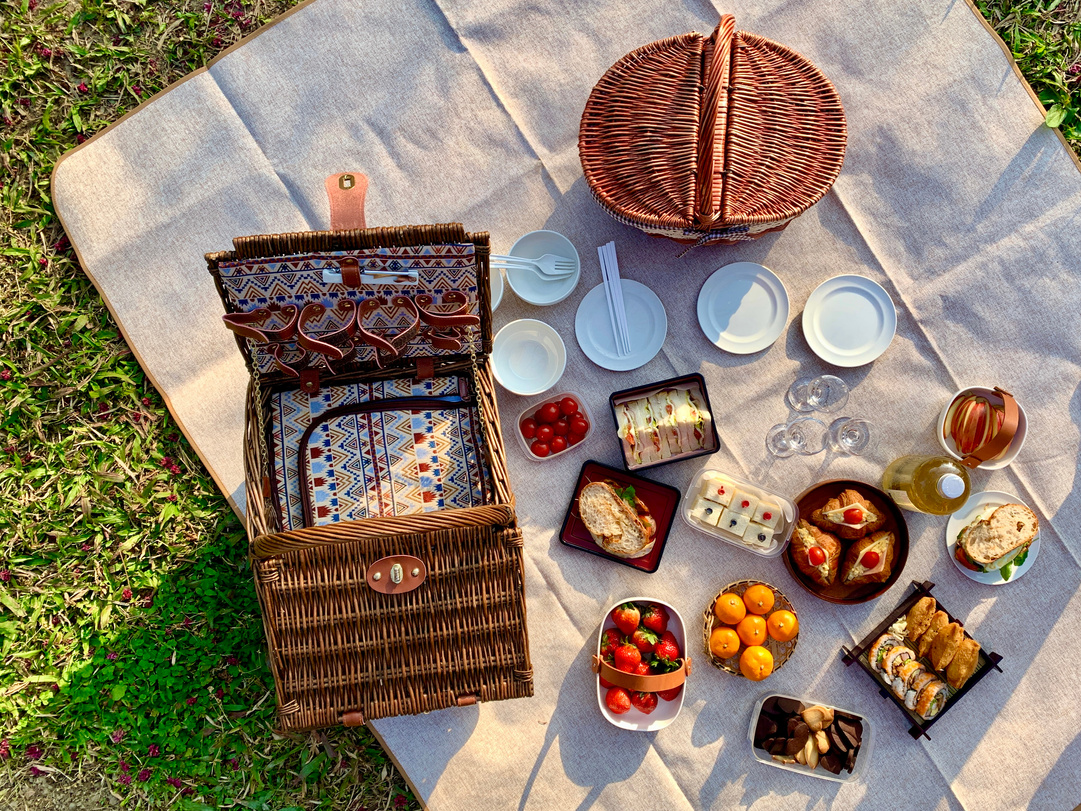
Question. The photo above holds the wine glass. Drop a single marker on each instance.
(805, 435)
(827, 393)
(850, 435)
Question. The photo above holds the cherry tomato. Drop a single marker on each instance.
(549, 412)
(560, 427)
(579, 425)
(529, 427)
(558, 443)
(540, 448)
(853, 515)
(545, 433)
(870, 559)
(568, 405)
(816, 556)
(579, 415)
(574, 439)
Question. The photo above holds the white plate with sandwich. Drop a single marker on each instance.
(996, 535)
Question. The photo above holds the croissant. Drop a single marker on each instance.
(816, 553)
(836, 514)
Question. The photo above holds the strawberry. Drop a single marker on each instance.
(626, 618)
(644, 639)
(670, 695)
(618, 700)
(627, 657)
(646, 702)
(643, 669)
(655, 618)
(666, 650)
(605, 683)
(610, 640)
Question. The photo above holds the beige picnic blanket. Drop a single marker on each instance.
(953, 196)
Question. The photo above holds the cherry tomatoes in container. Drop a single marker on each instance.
(553, 426)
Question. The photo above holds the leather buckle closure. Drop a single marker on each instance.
(445, 329)
(244, 324)
(388, 346)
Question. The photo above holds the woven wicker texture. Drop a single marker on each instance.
(341, 652)
(712, 139)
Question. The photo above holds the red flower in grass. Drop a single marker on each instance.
(83, 88)
(118, 736)
(146, 401)
(125, 766)
(136, 417)
(34, 771)
(190, 700)
(187, 791)
(125, 779)
(173, 781)
(34, 752)
(153, 750)
(5, 749)
(170, 498)
(125, 594)
(111, 656)
(231, 660)
(5, 374)
(43, 261)
(166, 461)
(400, 801)
(5, 575)
(235, 763)
(219, 693)
(144, 775)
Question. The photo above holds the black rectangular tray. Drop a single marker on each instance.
(987, 661)
(638, 391)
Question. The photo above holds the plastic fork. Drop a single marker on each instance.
(550, 265)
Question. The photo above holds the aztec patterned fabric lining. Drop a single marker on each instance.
(254, 283)
(377, 464)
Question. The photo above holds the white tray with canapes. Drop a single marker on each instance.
(738, 512)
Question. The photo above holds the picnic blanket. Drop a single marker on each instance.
(954, 197)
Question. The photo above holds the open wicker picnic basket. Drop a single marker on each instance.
(384, 543)
(712, 140)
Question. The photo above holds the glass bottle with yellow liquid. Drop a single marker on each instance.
(937, 485)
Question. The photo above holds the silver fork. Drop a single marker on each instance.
(549, 265)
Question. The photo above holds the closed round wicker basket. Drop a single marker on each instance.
(712, 140)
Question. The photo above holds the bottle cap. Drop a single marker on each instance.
(951, 486)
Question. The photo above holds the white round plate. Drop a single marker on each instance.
(743, 308)
(849, 321)
(985, 502)
(528, 357)
(532, 287)
(496, 285)
(646, 323)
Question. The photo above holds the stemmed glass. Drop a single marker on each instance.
(826, 393)
(805, 435)
(850, 435)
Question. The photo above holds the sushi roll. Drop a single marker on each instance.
(894, 658)
(918, 683)
(879, 648)
(931, 699)
(905, 675)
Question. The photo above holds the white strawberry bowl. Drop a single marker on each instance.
(962, 415)
(666, 711)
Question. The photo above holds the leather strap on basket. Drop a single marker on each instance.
(1005, 435)
(244, 324)
(346, 192)
(446, 329)
(645, 684)
(388, 348)
(334, 345)
(713, 124)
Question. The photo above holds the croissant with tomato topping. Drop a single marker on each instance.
(850, 516)
(869, 560)
(816, 553)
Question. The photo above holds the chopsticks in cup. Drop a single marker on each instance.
(613, 288)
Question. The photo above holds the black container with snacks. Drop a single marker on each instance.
(660, 451)
(988, 660)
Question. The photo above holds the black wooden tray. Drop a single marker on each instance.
(987, 662)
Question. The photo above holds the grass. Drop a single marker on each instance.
(132, 665)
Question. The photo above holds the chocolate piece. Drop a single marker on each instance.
(770, 705)
(798, 741)
(765, 728)
(850, 761)
(766, 744)
(852, 729)
(780, 746)
(836, 739)
(831, 761)
(789, 705)
(793, 722)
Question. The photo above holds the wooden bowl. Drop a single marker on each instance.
(780, 650)
(810, 500)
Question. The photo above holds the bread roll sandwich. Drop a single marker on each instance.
(849, 516)
(817, 554)
(990, 543)
(869, 560)
(617, 519)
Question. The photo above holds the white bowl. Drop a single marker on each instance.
(528, 357)
(634, 719)
(496, 285)
(530, 286)
(1012, 449)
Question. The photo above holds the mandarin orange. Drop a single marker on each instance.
(724, 642)
(756, 663)
(752, 630)
(782, 625)
(758, 599)
(729, 608)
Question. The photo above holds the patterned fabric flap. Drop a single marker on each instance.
(377, 464)
(275, 283)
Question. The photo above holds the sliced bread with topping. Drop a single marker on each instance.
(994, 541)
(617, 528)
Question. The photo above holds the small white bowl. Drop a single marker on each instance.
(529, 286)
(666, 712)
(1014, 447)
(528, 357)
(496, 285)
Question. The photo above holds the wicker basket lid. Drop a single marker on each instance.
(712, 139)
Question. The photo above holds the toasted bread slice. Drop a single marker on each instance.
(613, 524)
(963, 664)
(991, 543)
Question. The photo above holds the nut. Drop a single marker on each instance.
(810, 753)
(822, 742)
(817, 717)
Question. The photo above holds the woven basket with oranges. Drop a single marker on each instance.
(750, 629)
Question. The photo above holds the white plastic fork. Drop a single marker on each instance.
(550, 265)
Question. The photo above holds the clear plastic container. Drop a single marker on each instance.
(863, 756)
(781, 533)
(530, 410)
